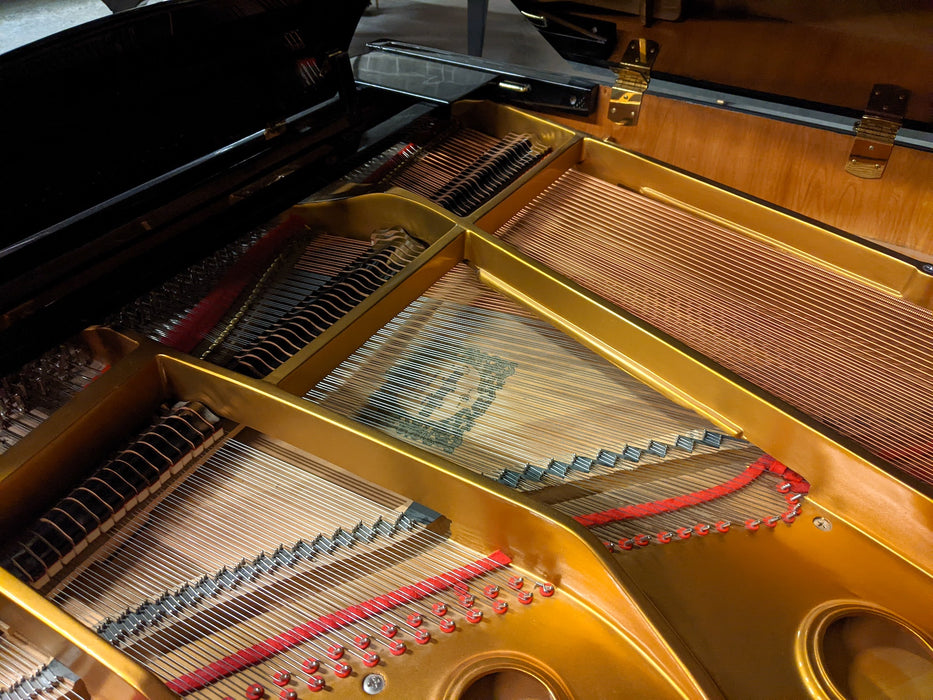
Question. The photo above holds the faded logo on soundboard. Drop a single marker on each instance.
(460, 390)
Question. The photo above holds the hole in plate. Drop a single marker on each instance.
(869, 655)
(507, 684)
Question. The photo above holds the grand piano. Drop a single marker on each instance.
(313, 384)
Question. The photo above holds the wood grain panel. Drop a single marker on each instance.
(795, 167)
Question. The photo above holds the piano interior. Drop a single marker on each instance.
(503, 411)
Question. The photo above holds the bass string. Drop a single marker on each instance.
(791, 329)
(750, 282)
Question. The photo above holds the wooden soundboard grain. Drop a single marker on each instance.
(795, 167)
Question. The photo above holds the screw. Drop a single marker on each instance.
(822, 524)
(373, 683)
(928, 268)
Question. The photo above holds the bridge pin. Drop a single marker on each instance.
(448, 625)
(342, 670)
(281, 677)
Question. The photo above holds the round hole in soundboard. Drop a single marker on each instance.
(858, 651)
(507, 684)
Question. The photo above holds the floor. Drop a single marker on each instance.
(439, 23)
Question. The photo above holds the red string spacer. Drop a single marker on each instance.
(255, 692)
(288, 694)
(422, 636)
(626, 544)
(772, 521)
(389, 630)
(439, 609)
(315, 684)
(414, 620)
(467, 601)
(641, 540)
(362, 641)
(335, 651)
(448, 625)
(370, 659)
(525, 597)
(473, 615)
(281, 677)
(546, 590)
(500, 607)
(342, 670)
(684, 533)
(752, 525)
(310, 665)
(665, 537)
(723, 526)
(397, 648)
(701, 529)
(491, 591)
(516, 582)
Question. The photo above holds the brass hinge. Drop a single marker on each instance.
(875, 132)
(632, 77)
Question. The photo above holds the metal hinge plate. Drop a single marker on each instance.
(632, 77)
(875, 132)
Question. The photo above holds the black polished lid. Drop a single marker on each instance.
(95, 111)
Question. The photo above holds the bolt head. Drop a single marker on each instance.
(373, 683)
(823, 524)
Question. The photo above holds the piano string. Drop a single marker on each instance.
(863, 366)
(335, 579)
(473, 377)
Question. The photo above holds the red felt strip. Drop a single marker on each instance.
(238, 661)
(192, 329)
(667, 505)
